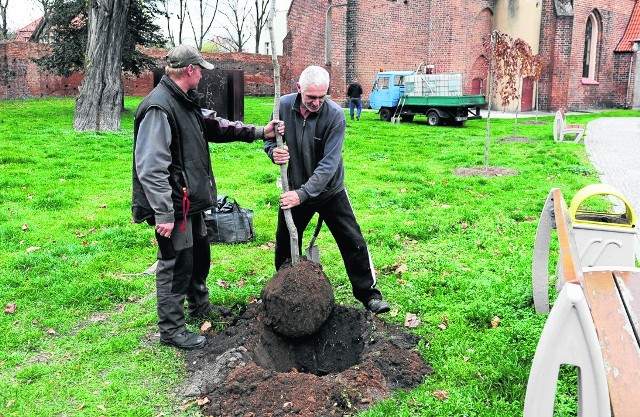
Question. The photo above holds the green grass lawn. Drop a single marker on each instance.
(455, 251)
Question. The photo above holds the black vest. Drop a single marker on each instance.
(190, 169)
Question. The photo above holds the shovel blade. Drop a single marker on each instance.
(313, 254)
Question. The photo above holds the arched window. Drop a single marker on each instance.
(590, 48)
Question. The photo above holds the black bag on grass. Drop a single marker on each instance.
(228, 222)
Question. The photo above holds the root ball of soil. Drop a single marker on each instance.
(298, 299)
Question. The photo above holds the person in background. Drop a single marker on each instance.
(354, 92)
(173, 184)
(314, 139)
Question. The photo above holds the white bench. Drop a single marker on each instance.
(561, 128)
(594, 325)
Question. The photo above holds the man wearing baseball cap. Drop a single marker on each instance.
(184, 55)
(173, 184)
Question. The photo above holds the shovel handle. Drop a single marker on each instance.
(316, 232)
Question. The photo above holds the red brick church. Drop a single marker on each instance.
(587, 47)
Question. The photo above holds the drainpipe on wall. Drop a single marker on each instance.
(636, 81)
(327, 35)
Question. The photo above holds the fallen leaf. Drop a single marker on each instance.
(10, 308)
(205, 326)
(223, 284)
(32, 249)
(441, 394)
(101, 407)
(411, 320)
(402, 269)
(25, 227)
(202, 401)
(442, 326)
(10, 403)
(51, 332)
(495, 322)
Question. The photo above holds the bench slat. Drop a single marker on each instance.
(620, 351)
(629, 287)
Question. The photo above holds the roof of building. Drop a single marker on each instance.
(25, 34)
(632, 33)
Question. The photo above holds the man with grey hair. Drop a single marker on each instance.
(173, 185)
(314, 139)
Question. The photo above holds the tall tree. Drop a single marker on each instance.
(4, 33)
(202, 23)
(260, 19)
(68, 19)
(44, 28)
(237, 34)
(99, 104)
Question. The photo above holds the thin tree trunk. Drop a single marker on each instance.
(293, 233)
(99, 104)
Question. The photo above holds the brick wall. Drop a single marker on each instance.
(399, 35)
(21, 78)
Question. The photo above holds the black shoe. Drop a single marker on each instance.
(184, 340)
(377, 306)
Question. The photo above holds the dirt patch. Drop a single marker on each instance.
(354, 360)
(485, 172)
(534, 122)
(515, 139)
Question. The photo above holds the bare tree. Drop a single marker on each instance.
(4, 33)
(204, 15)
(43, 30)
(237, 35)
(181, 15)
(260, 19)
(165, 9)
(98, 106)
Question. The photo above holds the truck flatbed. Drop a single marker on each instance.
(466, 100)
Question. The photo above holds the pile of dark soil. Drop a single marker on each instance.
(352, 361)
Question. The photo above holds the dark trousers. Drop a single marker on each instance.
(183, 267)
(357, 104)
(338, 215)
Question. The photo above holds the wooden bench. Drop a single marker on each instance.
(593, 325)
(561, 128)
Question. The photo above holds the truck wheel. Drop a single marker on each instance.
(407, 117)
(433, 118)
(385, 114)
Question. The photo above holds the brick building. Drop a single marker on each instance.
(586, 46)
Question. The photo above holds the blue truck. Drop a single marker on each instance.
(401, 95)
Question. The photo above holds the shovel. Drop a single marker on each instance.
(313, 253)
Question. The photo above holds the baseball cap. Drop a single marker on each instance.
(183, 55)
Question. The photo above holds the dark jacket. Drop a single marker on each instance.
(354, 90)
(189, 173)
(315, 168)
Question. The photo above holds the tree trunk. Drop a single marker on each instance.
(100, 101)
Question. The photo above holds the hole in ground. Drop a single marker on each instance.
(353, 361)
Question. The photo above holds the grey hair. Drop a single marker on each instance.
(313, 75)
